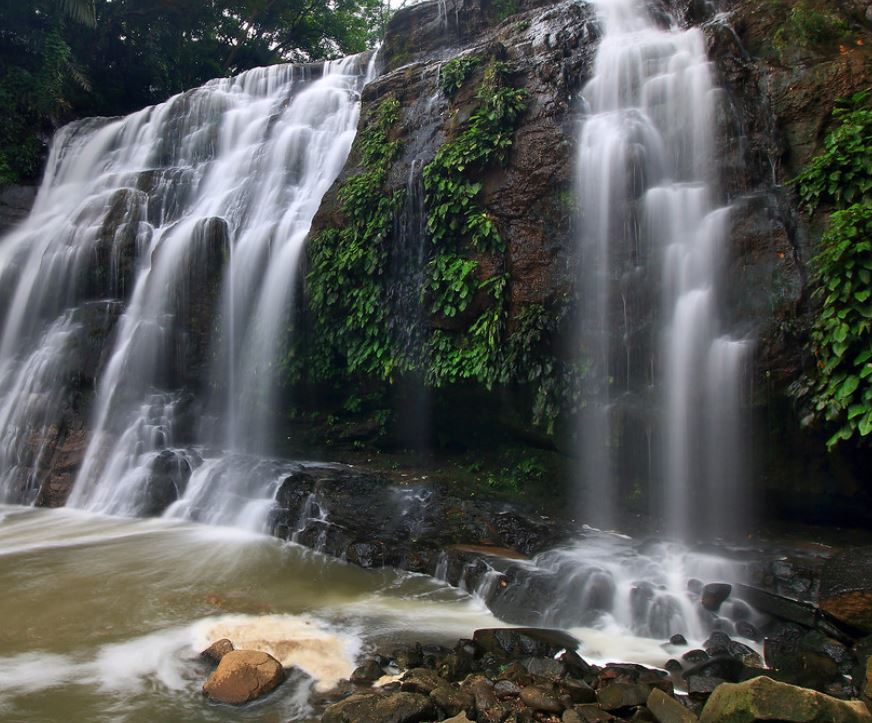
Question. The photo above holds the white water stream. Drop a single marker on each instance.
(653, 232)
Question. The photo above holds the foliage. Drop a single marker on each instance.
(504, 8)
(347, 263)
(808, 27)
(456, 72)
(529, 359)
(461, 229)
(61, 59)
(842, 333)
(841, 391)
(842, 174)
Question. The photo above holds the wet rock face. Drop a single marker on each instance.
(56, 451)
(15, 204)
(368, 521)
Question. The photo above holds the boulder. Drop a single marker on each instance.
(763, 699)
(244, 675)
(622, 695)
(541, 698)
(421, 680)
(217, 650)
(714, 594)
(368, 672)
(453, 700)
(373, 708)
(666, 709)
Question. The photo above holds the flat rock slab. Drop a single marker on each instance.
(242, 676)
(763, 699)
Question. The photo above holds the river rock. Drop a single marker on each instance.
(714, 594)
(368, 672)
(523, 642)
(217, 650)
(762, 699)
(622, 695)
(846, 587)
(453, 700)
(243, 675)
(373, 708)
(421, 680)
(593, 714)
(666, 709)
(541, 698)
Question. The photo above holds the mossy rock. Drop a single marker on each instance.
(763, 699)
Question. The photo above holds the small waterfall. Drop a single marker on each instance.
(652, 235)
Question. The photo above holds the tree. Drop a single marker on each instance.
(61, 59)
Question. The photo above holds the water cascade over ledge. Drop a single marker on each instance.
(664, 381)
(194, 212)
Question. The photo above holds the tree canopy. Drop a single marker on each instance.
(61, 59)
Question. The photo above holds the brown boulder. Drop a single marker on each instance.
(243, 675)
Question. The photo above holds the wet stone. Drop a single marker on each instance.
(746, 630)
(694, 657)
(578, 690)
(242, 676)
(541, 699)
(421, 680)
(673, 666)
(544, 667)
(506, 689)
(714, 594)
(452, 700)
(369, 672)
(217, 650)
(666, 709)
(678, 639)
(622, 695)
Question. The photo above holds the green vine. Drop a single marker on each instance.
(456, 71)
(842, 333)
(345, 285)
(842, 174)
(462, 231)
(841, 390)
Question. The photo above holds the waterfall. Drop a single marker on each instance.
(193, 213)
(652, 234)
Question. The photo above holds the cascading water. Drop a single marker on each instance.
(652, 235)
(196, 210)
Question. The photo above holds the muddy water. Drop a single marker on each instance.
(101, 618)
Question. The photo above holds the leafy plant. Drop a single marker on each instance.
(842, 174)
(809, 27)
(842, 334)
(456, 72)
(347, 263)
(841, 389)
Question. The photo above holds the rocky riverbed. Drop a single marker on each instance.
(530, 674)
